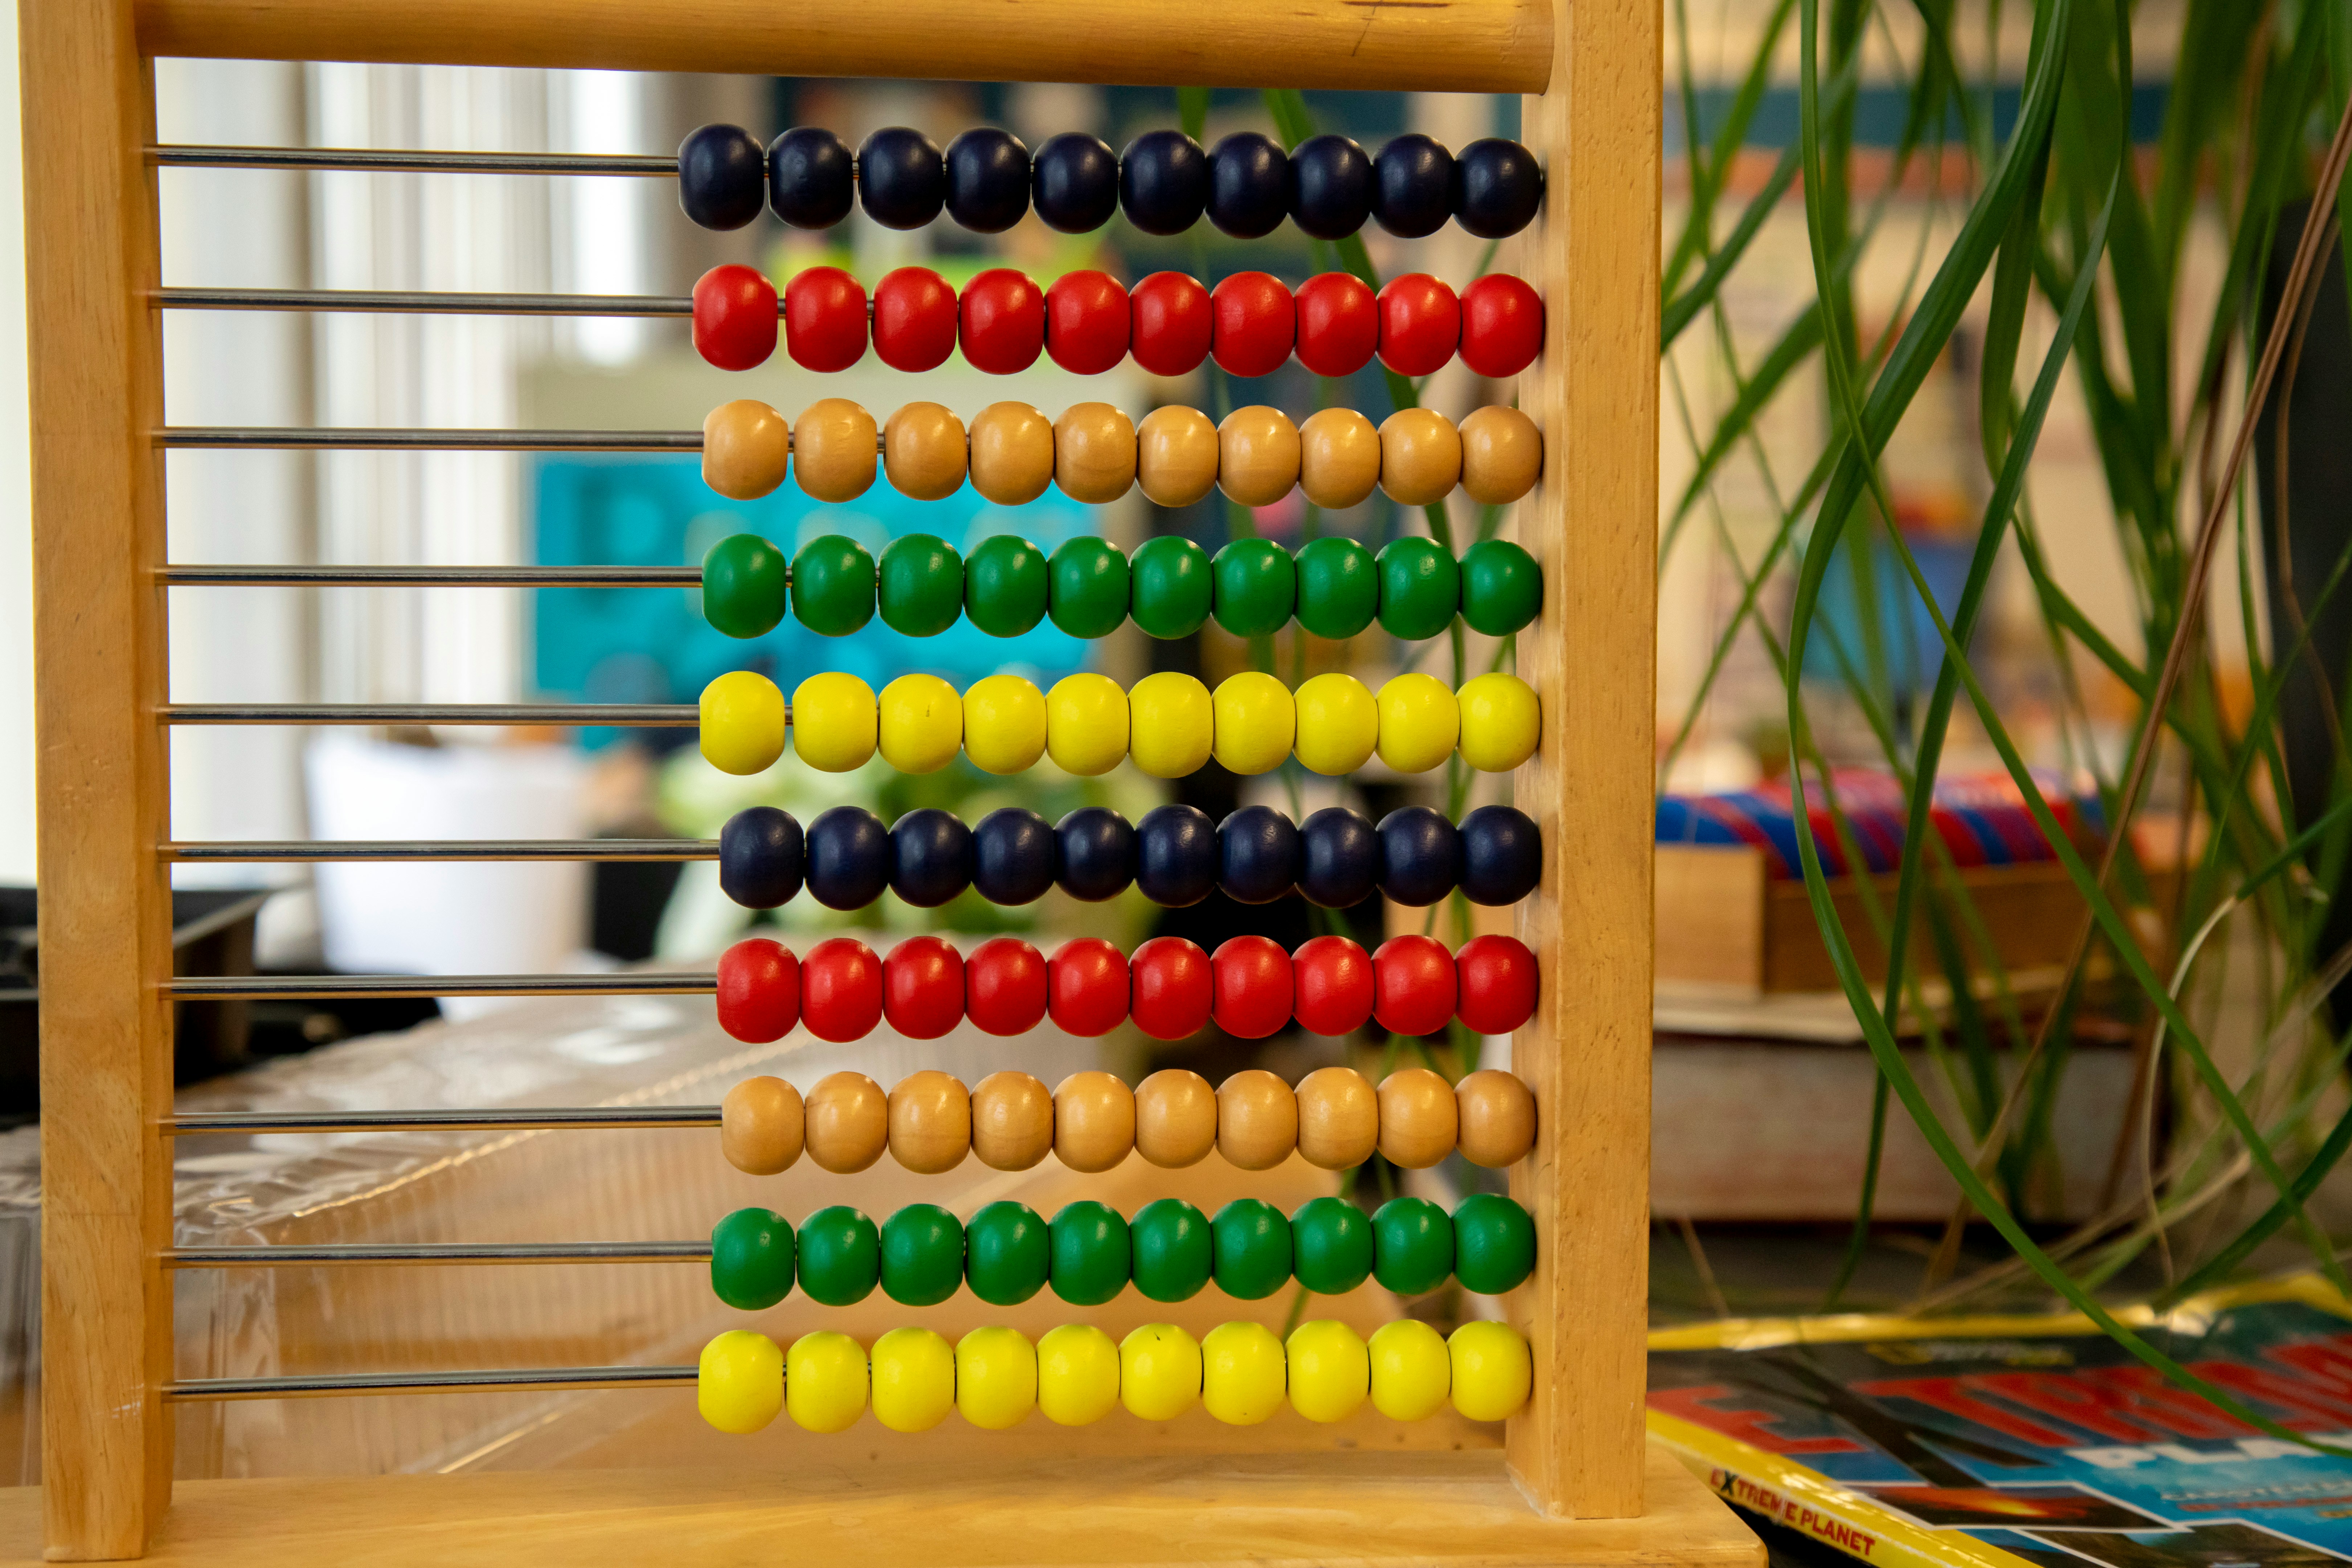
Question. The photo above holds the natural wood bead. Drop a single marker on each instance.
(1417, 1119)
(1094, 452)
(923, 451)
(1094, 1120)
(1502, 455)
(1011, 1121)
(1175, 1118)
(1257, 455)
(1257, 1120)
(1498, 1116)
(760, 1125)
(833, 449)
(930, 1123)
(1338, 457)
(1339, 1119)
(1176, 456)
(746, 447)
(848, 1122)
(1011, 453)
(1421, 457)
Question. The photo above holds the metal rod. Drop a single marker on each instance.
(646, 165)
(520, 1380)
(431, 576)
(353, 439)
(310, 850)
(600, 1119)
(321, 987)
(624, 715)
(454, 1252)
(424, 302)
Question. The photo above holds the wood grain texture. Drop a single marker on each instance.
(1453, 46)
(1593, 524)
(98, 651)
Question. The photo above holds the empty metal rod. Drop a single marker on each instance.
(189, 156)
(424, 302)
(455, 1252)
(535, 1380)
(521, 1119)
(307, 850)
(624, 715)
(354, 438)
(322, 987)
(431, 576)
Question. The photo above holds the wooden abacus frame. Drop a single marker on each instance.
(1577, 1452)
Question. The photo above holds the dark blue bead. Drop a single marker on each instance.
(1012, 856)
(1094, 851)
(988, 180)
(1413, 186)
(1339, 858)
(1249, 185)
(1330, 186)
(930, 856)
(1497, 186)
(901, 179)
(1257, 853)
(1163, 181)
(810, 179)
(759, 858)
(1502, 854)
(722, 176)
(848, 857)
(1075, 183)
(1176, 856)
(1421, 856)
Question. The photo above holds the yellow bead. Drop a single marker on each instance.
(1256, 722)
(1077, 1374)
(922, 723)
(1420, 722)
(1003, 724)
(1242, 1374)
(742, 723)
(1411, 1370)
(1172, 724)
(740, 1384)
(1338, 724)
(995, 1378)
(1501, 722)
(825, 1382)
(914, 1379)
(834, 721)
(1492, 1374)
(1159, 1372)
(1086, 724)
(1329, 1370)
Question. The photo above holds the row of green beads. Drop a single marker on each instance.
(1088, 1254)
(1336, 587)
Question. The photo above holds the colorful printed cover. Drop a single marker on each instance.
(2004, 1442)
(1981, 818)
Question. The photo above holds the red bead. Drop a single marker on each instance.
(1497, 979)
(1253, 990)
(841, 989)
(1085, 322)
(923, 987)
(825, 319)
(914, 319)
(1413, 986)
(1339, 323)
(1088, 983)
(1421, 324)
(1502, 325)
(1173, 988)
(735, 317)
(1173, 323)
(1004, 986)
(1333, 979)
(1256, 323)
(759, 990)
(1003, 322)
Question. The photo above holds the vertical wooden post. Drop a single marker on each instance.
(98, 674)
(1577, 1450)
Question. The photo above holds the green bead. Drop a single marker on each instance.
(1251, 1241)
(1170, 587)
(1256, 587)
(1172, 1249)
(1338, 588)
(1502, 587)
(922, 586)
(841, 1256)
(1413, 1247)
(833, 586)
(922, 1255)
(1493, 1244)
(1007, 1254)
(1090, 1254)
(1331, 1246)
(745, 583)
(1004, 585)
(752, 1258)
(1421, 587)
(1088, 596)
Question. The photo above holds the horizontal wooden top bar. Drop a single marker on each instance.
(1457, 46)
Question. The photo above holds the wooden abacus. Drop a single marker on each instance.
(109, 1387)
